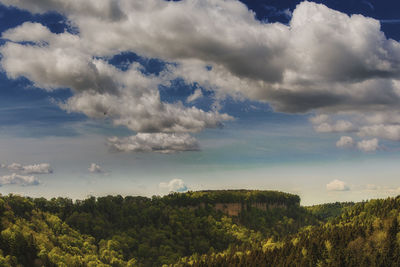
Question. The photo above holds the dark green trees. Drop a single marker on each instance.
(122, 231)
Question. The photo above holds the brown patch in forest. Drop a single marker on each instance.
(232, 209)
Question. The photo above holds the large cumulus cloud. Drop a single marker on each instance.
(129, 98)
(324, 61)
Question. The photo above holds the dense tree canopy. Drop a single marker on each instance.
(119, 231)
(193, 229)
(364, 234)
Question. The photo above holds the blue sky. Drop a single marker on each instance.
(142, 98)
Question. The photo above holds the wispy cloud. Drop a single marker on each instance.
(196, 95)
(42, 168)
(95, 168)
(369, 4)
(390, 21)
(18, 180)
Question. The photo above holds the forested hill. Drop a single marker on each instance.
(192, 198)
(205, 228)
(364, 234)
(141, 231)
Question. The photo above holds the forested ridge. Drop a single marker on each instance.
(362, 234)
(191, 229)
(138, 231)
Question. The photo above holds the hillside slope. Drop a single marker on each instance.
(366, 234)
(140, 231)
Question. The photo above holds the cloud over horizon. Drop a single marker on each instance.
(337, 185)
(17, 179)
(42, 168)
(175, 185)
(95, 168)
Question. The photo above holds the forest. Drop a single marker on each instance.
(194, 229)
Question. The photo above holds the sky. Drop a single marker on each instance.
(127, 97)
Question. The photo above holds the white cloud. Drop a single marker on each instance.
(319, 119)
(175, 185)
(273, 60)
(18, 180)
(385, 125)
(337, 185)
(196, 95)
(155, 142)
(345, 142)
(95, 168)
(354, 70)
(106, 9)
(42, 168)
(145, 113)
(338, 127)
(130, 98)
(368, 145)
(14, 167)
(390, 132)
